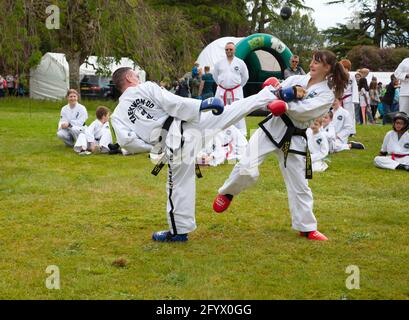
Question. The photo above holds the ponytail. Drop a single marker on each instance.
(339, 79)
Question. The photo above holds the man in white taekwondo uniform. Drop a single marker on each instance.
(149, 112)
(402, 73)
(351, 95)
(231, 76)
(72, 121)
(394, 153)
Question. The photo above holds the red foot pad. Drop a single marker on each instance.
(221, 203)
(314, 235)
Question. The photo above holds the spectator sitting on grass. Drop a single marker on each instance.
(394, 154)
(72, 121)
(97, 137)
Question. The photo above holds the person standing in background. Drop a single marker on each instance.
(3, 86)
(358, 113)
(374, 97)
(10, 85)
(402, 74)
(294, 69)
(206, 84)
(351, 94)
(231, 75)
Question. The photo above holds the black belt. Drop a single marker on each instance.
(285, 142)
(162, 138)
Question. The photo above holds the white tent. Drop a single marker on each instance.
(214, 52)
(50, 79)
(384, 77)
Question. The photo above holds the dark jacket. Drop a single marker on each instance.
(389, 95)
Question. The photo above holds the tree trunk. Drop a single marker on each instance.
(378, 23)
(74, 62)
(263, 16)
(254, 14)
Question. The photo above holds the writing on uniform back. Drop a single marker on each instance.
(137, 110)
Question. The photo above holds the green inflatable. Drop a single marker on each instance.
(245, 50)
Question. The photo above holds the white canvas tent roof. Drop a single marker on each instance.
(50, 79)
(214, 52)
(384, 77)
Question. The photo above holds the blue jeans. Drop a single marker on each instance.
(395, 107)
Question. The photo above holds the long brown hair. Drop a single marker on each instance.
(337, 78)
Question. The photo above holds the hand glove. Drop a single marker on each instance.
(277, 107)
(272, 81)
(290, 94)
(214, 104)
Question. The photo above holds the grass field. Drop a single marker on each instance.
(83, 213)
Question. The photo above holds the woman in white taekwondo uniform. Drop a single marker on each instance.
(231, 75)
(149, 112)
(72, 121)
(285, 136)
(402, 73)
(394, 153)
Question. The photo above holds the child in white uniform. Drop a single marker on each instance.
(229, 144)
(318, 145)
(394, 153)
(343, 128)
(97, 136)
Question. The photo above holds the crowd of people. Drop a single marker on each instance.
(311, 116)
(11, 86)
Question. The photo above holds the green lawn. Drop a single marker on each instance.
(84, 213)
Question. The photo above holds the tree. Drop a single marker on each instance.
(383, 19)
(377, 59)
(211, 18)
(94, 27)
(262, 12)
(19, 41)
(299, 33)
(342, 39)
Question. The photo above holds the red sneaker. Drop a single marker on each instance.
(221, 203)
(314, 235)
